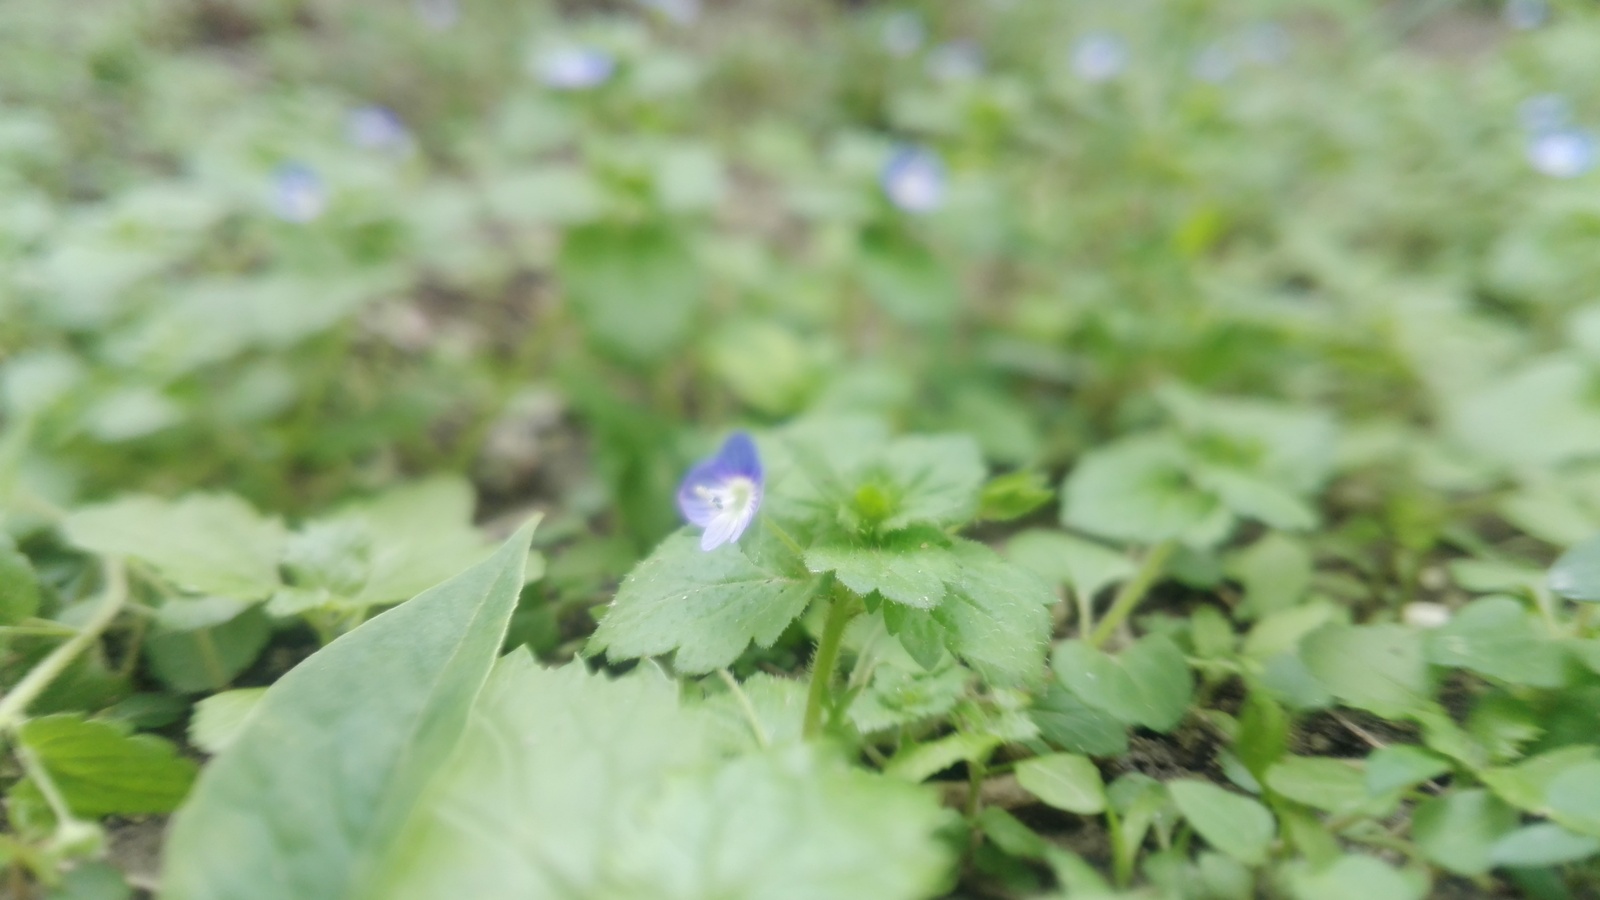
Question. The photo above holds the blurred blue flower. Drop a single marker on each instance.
(914, 180)
(1099, 56)
(1544, 112)
(1563, 152)
(903, 33)
(1214, 63)
(298, 194)
(1525, 15)
(722, 494)
(960, 60)
(574, 68)
(440, 15)
(683, 12)
(378, 128)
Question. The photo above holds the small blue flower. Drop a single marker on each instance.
(903, 33)
(1562, 153)
(723, 493)
(377, 128)
(298, 194)
(1544, 112)
(1525, 15)
(574, 68)
(913, 179)
(1099, 56)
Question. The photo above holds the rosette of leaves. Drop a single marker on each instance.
(872, 518)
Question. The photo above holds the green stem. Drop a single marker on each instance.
(747, 707)
(14, 706)
(1133, 590)
(839, 609)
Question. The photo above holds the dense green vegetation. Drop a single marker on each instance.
(1173, 460)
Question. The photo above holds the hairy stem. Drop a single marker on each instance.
(1133, 590)
(839, 609)
(14, 706)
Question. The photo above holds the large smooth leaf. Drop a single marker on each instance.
(1379, 668)
(329, 765)
(706, 607)
(1064, 780)
(1576, 574)
(1139, 490)
(1494, 636)
(205, 543)
(1459, 831)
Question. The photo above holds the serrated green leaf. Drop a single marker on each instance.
(339, 751)
(1458, 831)
(204, 659)
(1013, 495)
(627, 801)
(936, 480)
(102, 771)
(897, 697)
(909, 567)
(1147, 684)
(1233, 823)
(778, 705)
(995, 617)
(1065, 781)
(1493, 636)
(1379, 668)
(703, 607)
(204, 543)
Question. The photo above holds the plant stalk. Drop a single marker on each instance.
(14, 706)
(1132, 591)
(839, 609)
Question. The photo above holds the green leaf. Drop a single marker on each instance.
(19, 586)
(1009, 834)
(1139, 490)
(1060, 558)
(1070, 724)
(1147, 684)
(1013, 495)
(1493, 636)
(204, 543)
(102, 771)
(1526, 785)
(637, 290)
(936, 480)
(898, 696)
(1573, 798)
(1234, 824)
(1253, 497)
(995, 616)
(1576, 574)
(1356, 877)
(1275, 572)
(906, 279)
(1458, 831)
(1332, 785)
(909, 567)
(705, 607)
(1064, 780)
(1379, 668)
(204, 659)
(220, 718)
(625, 801)
(1542, 844)
(1400, 766)
(919, 762)
(338, 753)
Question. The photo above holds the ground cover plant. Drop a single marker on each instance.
(1009, 449)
